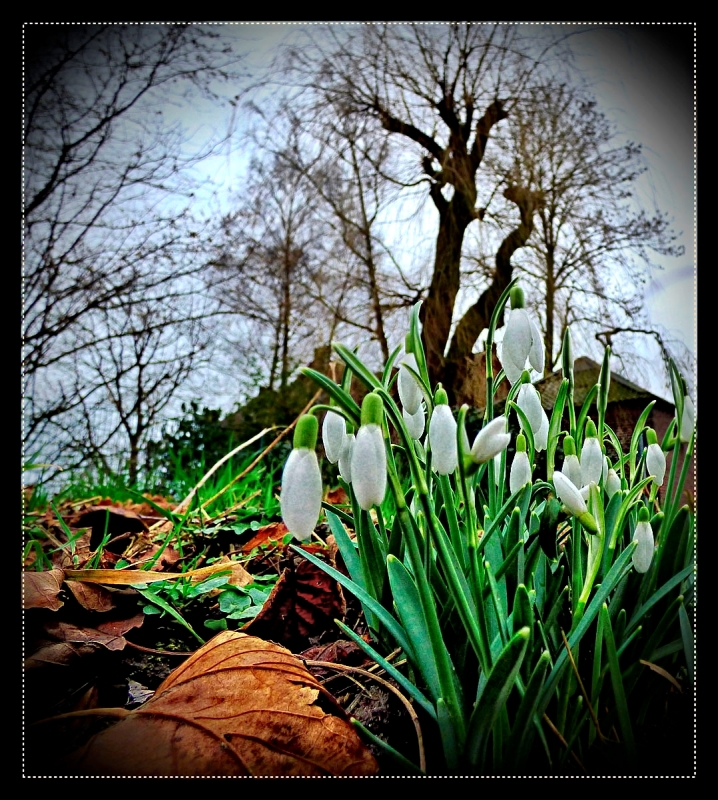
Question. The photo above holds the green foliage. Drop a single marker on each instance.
(525, 633)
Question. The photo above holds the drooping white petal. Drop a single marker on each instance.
(604, 469)
(541, 436)
(368, 466)
(520, 471)
(529, 401)
(334, 431)
(568, 494)
(643, 554)
(536, 353)
(301, 495)
(491, 439)
(415, 423)
(497, 468)
(688, 419)
(345, 459)
(572, 470)
(442, 438)
(516, 344)
(656, 463)
(591, 461)
(409, 391)
(613, 483)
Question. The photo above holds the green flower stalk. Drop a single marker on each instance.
(301, 494)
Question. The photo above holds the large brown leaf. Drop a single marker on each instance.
(238, 706)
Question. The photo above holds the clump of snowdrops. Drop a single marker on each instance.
(529, 604)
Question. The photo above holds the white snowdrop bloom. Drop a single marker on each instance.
(497, 468)
(591, 461)
(409, 391)
(656, 463)
(442, 438)
(643, 554)
(536, 353)
(522, 342)
(688, 420)
(529, 401)
(604, 469)
(613, 483)
(490, 440)
(520, 471)
(345, 459)
(301, 494)
(569, 494)
(571, 469)
(368, 466)
(334, 431)
(415, 423)
(541, 436)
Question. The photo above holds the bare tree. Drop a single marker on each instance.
(442, 90)
(588, 257)
(108, 188)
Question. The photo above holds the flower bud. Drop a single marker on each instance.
(571, 467)
(301, 493)
(591, 457)
(570, 496)
(490, 441)
(368, 458)
(520, 467)
(409, 391)
(415, 423)
(541, 436)
(688, 420)
(442, 437)
(334, 431)
(643, 534)
(655, 458)
(529, 401)
(612, 483)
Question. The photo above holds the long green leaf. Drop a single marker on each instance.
(522, 731)
(494, 695)
(624, 717)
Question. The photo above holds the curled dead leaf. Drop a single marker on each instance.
(238, 706)
(41, 589)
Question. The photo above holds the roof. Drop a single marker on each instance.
(585, 375)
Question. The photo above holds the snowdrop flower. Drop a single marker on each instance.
(345, 459)
(643, 534)
(541, 436)
(655, 458)
(442, 436)
(688, 420)
(334, 431)
(368, 458)
(591, 457)
(571, 467)
(520, 467)
(604, 469)
(409, 391)
(490, 441)
(522, 340)
(570, 496)
(612, 483)
(301, 494)
(529, 401)
(415, 423)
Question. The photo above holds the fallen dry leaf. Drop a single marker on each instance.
(91, 596)
(271, 534)
(304, 603)
(41, 589)
(238, 706)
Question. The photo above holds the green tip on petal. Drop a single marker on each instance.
(305, 434)
(521, 443)
(651, 437)
(517, 297)
(590, 429)
(372, 410)
(569, 446)
(643, 514)
(525, 376)
(441, 398)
